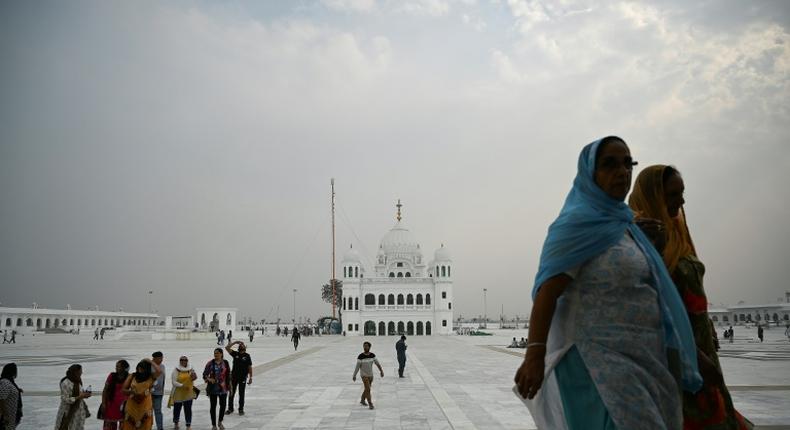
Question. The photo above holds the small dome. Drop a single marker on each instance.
(351, 256)
(441, 254)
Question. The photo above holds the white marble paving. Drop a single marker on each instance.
(453, 382)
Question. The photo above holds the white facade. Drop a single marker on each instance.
(214, 319)
(401, 294)
(31, 319)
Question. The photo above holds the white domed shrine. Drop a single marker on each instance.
(402, 294)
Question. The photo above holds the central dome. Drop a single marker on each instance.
(399, 240)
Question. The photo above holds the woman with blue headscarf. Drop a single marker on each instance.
(610, 345)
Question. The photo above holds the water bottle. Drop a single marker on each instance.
(90, 389)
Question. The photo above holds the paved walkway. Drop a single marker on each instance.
(455, 382)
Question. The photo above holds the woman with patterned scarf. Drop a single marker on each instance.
(139, 409)
(72, 411)
(658, 195)
(113, 396)
(10, 398)
(217, 377)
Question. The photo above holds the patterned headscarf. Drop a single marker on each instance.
(647, 200)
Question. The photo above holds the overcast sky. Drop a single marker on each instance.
(187, 147)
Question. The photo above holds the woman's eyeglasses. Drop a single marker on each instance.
(613, 163)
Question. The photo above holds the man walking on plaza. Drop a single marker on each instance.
(158, 389)
(365, 362)
(400, 349)
(295, 337)
(240, 376)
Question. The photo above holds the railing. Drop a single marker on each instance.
(398, 307)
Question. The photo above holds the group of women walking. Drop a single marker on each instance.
(619, 334)
(126, 402)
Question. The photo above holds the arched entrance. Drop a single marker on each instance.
(419, 328)
(410, 328)
(391, 328)
(401, 328)
(370, 328)
(382, 328)
(428, 328)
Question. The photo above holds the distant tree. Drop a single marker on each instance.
(326, 295)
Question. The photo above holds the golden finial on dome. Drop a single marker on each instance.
(399, 206)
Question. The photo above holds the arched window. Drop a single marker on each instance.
(391, 299)
(400, 299)
(38, 323)
(48, 323)
(400, 274)
(419, 328)
(786, 317)
(19, 322)
(29, 322)
(408, 274)
(391, 328)
(714, 318)
(448, 271)
(382, 328)
(392, 274)
(401, 328)
(370, 300)
(419, 299)
(345, 272)
(427, 299)
(356, 272)
(449, 305)
(428, 328)
(409, 299)
(437, 271)
(399, 264)
(8, 322)
(444, 272)
(382, 300)
(410, 329)
(356, 303)
(776, 317)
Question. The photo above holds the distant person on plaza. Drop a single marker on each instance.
(183, 392)
(251, 334)
(787, 331)
(400, 350)
(158, 390)
(13, 336)
(138, 410)
(217, 375)
(5, 336)
(715, 335)
(365, 362)
(760, 332)
(585, 371)
(96, 334)
(732, 335)
(295, 338)
(72, 410)
(241, 375)
(113, 396)
(513, 343)
(101, 334)
(230, 335)
(10, 398)
(658, 195)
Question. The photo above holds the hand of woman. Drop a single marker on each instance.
(529, 377)
(654, 230)
(85, 394)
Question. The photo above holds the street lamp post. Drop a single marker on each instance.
(294, 306)
(150, 293)
(485, 308)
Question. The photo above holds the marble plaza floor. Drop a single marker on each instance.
(453, 382)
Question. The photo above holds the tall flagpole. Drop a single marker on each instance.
(333, 247)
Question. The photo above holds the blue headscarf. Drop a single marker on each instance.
(591, 222)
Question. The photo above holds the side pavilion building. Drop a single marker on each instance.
(401, 293)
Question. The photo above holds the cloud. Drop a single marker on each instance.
(350, 5)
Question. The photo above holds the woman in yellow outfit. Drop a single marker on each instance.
(183, 391)
(138, 413)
